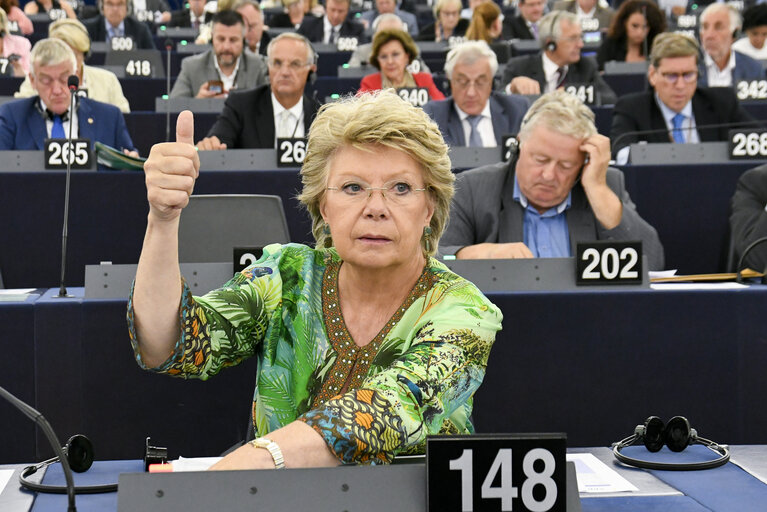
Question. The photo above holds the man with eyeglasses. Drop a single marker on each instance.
(257, 117)
(114, 21)
(223, 68)
(27, 122)
(474, 115)
(559, 64)
(676, 110)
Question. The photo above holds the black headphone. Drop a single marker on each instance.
(676, 435)
(551, 44)
(79, 453)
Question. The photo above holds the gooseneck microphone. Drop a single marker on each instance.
(32, 413)
(751, 247)
(72, 82)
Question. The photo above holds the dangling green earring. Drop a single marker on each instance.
(326, 229)
(427, 238)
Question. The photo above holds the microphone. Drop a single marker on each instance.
(168, 48)
(32, 413)
(751, 247)
(623, 136)
(72, 82)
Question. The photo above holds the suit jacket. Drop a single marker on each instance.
(640, 112)
(247, 120)
(603, 14)
(506, 113)
(427, 33)
(746, 68)
(22, 125)
(134, 29)
(373, 83)
(264, 43)
(748, 220)
(182, 18)
(314, 29)
(483, 211)
(516, 28)
(582, 72)
(198, 69)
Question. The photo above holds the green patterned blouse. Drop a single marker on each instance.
(416, 378)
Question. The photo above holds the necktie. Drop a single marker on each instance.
(534, 27)
(57, 132)
(284, 127)
(475, 141)
(561, 72)
(677, 133)
(334, 36)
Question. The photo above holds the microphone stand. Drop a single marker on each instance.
(751, 246)
(33, 414)
(73, 82)
(168, 46)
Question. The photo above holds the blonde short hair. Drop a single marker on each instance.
(380, 118)
(673, 44)
(441, 4)
(49, 52)
(72, 32)
(560, 112)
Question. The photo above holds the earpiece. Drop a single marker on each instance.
(676, 435)
(551, 45)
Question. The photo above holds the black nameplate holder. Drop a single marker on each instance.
(291, 151)
(751, 90)
(243, 257)
(138, 67)
(347, 44)
(417, 96)
(57, 14)
(608, 263)
(587, 93)
(6, 68)
(589, 25)
(122, 44)
(496, 472)
(58, 153)
(747, 144)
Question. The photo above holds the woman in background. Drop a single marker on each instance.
(14, 13)
(755, 27)
(46, 6)
(486, 23)
(631, 32)
(448, 22)
(14, 48)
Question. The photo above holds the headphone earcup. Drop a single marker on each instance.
(677, 433)
(551, 46)
(653, 435)
(79, 452)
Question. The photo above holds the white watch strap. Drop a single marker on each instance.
(273, 448)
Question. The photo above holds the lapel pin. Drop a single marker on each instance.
(90, 120)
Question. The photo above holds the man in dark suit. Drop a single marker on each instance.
(191, 17)
(114, 21)
(251, 13)
(525, 25)
(676, 110)
(559, 64)
(26, 123)
(556, 192)
(332, 25)
(721, 65)
(474, 115)
(748, 220)
(255, 118)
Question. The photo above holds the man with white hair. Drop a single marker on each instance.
(474, 115)
(722, 66)
(557, 191)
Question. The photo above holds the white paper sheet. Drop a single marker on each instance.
(698, 286)
(594, 476)
(194, 463)
(5, 477)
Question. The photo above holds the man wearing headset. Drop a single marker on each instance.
(559, 64)
(114, 20)
(557, 191)
(257, 117)
(721, 66)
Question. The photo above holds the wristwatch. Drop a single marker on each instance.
(273, 448)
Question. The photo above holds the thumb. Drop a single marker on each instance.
(185, 127)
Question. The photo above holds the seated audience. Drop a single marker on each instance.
(14, 48)
(256, 117)
(332, 25)
(525, 24)
(676, 109)
(755, 27)
(292, 17)
(15, 14)
(226, 62)
(156, 11)
(393, 51)
(558, 190)
(384, 6)
(748, 218)
(97, 83)
(447, 22)
(474, 115)
(587, 9)
(46, 6)
(114, 21)
(486, 24)
(388, 21)
(191, 16)
(372, 344)
(721, 66)
(256, 37)
(632, 32)
(26, 123)
(559, 63)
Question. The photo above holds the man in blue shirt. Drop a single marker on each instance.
(557, 191)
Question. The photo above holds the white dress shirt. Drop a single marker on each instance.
(49, 123)
(717, 78)
(484, 126)
(294, 126)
